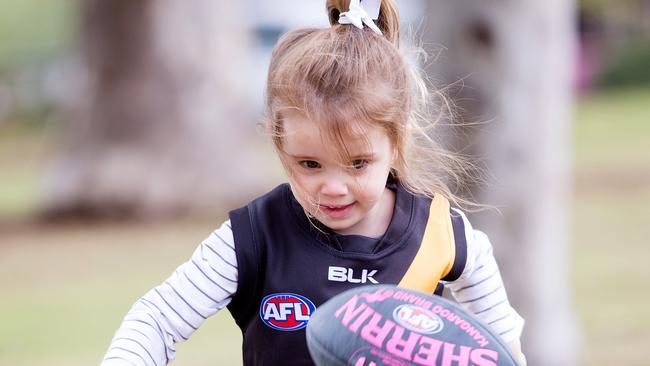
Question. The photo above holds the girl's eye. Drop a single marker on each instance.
(359, 164)
(309, 164)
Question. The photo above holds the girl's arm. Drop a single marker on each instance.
(480, 290)
(515, 346)
(172, 311)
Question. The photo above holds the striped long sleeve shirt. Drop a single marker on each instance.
(205, 284)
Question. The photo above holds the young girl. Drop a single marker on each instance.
(366, 203)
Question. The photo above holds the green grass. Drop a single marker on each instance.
(22, 166)
(612, 276)
(69, 288)
(613, 130)
(610, 225)
(65, 289)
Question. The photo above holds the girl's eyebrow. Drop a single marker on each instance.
(302, 157)
(370, 155)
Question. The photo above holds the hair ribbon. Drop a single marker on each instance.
(358, 14)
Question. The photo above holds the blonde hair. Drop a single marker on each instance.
(341, 77)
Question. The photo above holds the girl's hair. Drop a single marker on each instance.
(343, 78)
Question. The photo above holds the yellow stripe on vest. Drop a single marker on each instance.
(435, 257)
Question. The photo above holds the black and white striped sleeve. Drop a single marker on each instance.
(172, 311)
(480, 287)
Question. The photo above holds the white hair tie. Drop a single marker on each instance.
(357, 15)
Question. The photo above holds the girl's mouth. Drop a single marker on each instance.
(336, 211)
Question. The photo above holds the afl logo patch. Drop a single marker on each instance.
(417, 319)
(286, 311)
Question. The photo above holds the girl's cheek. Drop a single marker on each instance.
(301, 188)
(302, 183)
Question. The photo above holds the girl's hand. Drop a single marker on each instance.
(515, 347)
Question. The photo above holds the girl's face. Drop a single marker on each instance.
(348, 197)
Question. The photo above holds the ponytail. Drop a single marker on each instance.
(388, 21)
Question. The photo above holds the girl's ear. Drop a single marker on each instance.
(394, 157)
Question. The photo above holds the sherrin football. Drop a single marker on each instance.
(386, 325)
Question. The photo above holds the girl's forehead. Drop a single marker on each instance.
(300, 132)
(296, 125)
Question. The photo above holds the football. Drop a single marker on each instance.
(386, 325)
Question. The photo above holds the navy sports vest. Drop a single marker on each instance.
(287, 266)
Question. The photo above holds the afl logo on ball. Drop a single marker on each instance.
(417, 319)
(286, 311)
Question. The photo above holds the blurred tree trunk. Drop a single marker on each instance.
(160, 126)
(510, 64)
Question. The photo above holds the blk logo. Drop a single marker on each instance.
(342, 274)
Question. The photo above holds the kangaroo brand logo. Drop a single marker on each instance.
(342, 274)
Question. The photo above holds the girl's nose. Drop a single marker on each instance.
(334, 186)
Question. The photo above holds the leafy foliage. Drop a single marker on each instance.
(33, 30)
(631, 67)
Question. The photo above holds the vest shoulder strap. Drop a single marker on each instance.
(442, 253)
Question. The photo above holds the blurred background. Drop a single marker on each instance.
(129, 129)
